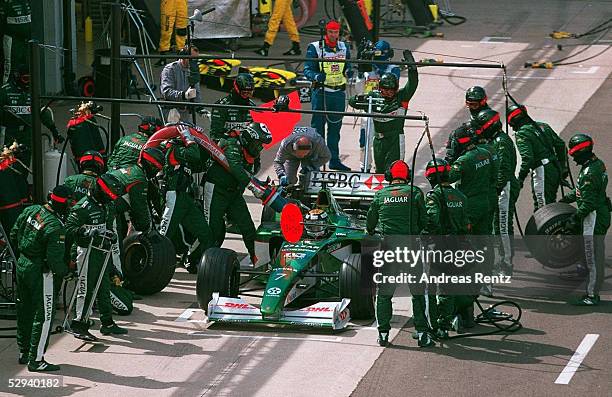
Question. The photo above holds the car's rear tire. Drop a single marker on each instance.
(547, 239)
(351, 285)
(148, 266)
(217, 272)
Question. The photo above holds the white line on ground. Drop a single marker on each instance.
(514, 77)
(591, 70)
(570, 369)
(306, 338)
(494, 39)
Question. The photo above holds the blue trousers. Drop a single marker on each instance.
(334, 101)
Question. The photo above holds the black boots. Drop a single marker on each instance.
(263, 51)
(295, 49)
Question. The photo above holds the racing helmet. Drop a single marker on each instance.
(253, 137)
(517, 116)
(486, 124)
(244, 85)
(108, 188)
(60, 199)
(398, 170)
(21, 74)
(92, 161)
(382, 51)
(580, 147)
(152, 161)
(317, 224)
(461, 138)
(388, 85)
(302, 147)
(150, 125)
(437, 171)
(475, 97)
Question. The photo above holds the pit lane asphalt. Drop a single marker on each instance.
(161, 356)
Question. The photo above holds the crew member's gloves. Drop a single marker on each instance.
(186, 135)
(109, 235)
(72, 275)
(572, 223)
(190, 93)
(408, 57)
(281, 104)
(257, 187)
(320, 77)
(89, 232)
(283, 180)
(57, 138)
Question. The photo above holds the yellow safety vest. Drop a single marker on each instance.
(334, 71)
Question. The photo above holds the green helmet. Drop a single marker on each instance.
(486, 124)
(108, 188)
(517, 116)
(388, 81)
(460, 139)
(580, 147)
(152, 161)
(92, 161)
(253, 137)
(244, 85)
(437, 171)
(476, 94)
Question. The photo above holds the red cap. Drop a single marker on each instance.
(332, 25)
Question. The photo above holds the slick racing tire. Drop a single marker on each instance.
(548, 240)
(148, 265)
(218, 272)
(351, 286)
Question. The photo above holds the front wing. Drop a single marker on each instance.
(334, 315)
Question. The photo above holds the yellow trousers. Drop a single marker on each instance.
(173, 14)
(282, 13)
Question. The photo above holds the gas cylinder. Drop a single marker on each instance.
(51, 163)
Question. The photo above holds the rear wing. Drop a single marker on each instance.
(345, 185)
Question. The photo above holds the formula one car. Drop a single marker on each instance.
(311, 268)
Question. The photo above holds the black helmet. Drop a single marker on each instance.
(517, 116)
(150, 125)
(60, 199)
(437, 171)
(108, 188)
(580, 147)
(92, 161)
(21, 74)
(398, 170)
(253, 137)
(317, 224)
(151, 160)
(244, 85)
(476, 94)
(486, 124)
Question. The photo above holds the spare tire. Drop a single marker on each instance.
(548, 240)
(351, 286)
(148, 266)
(218, 272)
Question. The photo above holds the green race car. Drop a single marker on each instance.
(311, 269)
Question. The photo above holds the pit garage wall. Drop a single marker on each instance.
(231, 19)
(51, 34)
